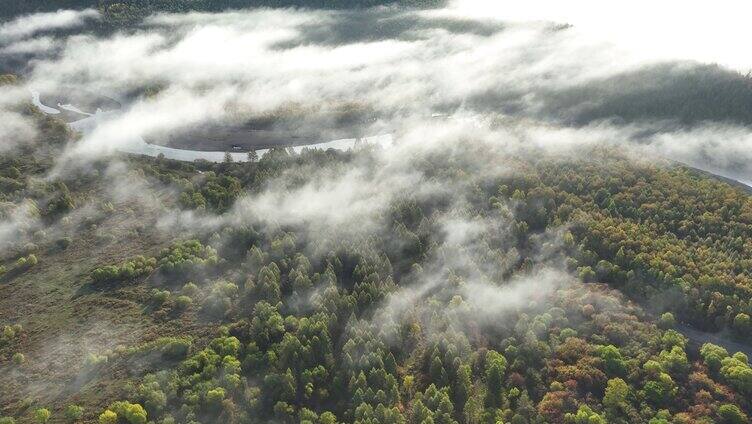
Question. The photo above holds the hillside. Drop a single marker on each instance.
(194, 293)
(372, 212)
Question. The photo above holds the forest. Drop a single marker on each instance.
(548, 291)
(124, 12)
(428, 212)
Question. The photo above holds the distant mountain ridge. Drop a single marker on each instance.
(13, 8)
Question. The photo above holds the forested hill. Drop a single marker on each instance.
(118, 9)
(476, 285)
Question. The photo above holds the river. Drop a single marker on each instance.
(137, 145)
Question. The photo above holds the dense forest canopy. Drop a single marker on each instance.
(526, 246)
(481, 300)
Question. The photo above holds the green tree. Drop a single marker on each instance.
(462, 387)
(731, 414)
(737, 372)
(743, 324)
(584, 415)
(587, 275)
(214, 398)
(674, 361)
(436, 370)
(617, 393)
(713, 355)
(613, 361)
(495, 367)
(660, 391)
(327, 417)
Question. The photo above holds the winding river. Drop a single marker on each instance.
(137, 145)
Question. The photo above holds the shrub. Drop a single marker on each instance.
(176, 349)
(8, 332)
(73, 413)
(133, 268)
(168, 347)
(667, 321)
(186, 256)
(108, 417)
(63, 243)
(159, 297)
(190, 289)
(19, 358)
(132, 412)
(7, 420)
(183, 302)
(42, 415)
(107, 207)
(94, 360)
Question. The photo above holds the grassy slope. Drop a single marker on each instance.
(65, 318)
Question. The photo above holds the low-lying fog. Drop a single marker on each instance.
(555, 73)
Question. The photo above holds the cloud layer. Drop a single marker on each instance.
(329, 73)
(29, 25)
